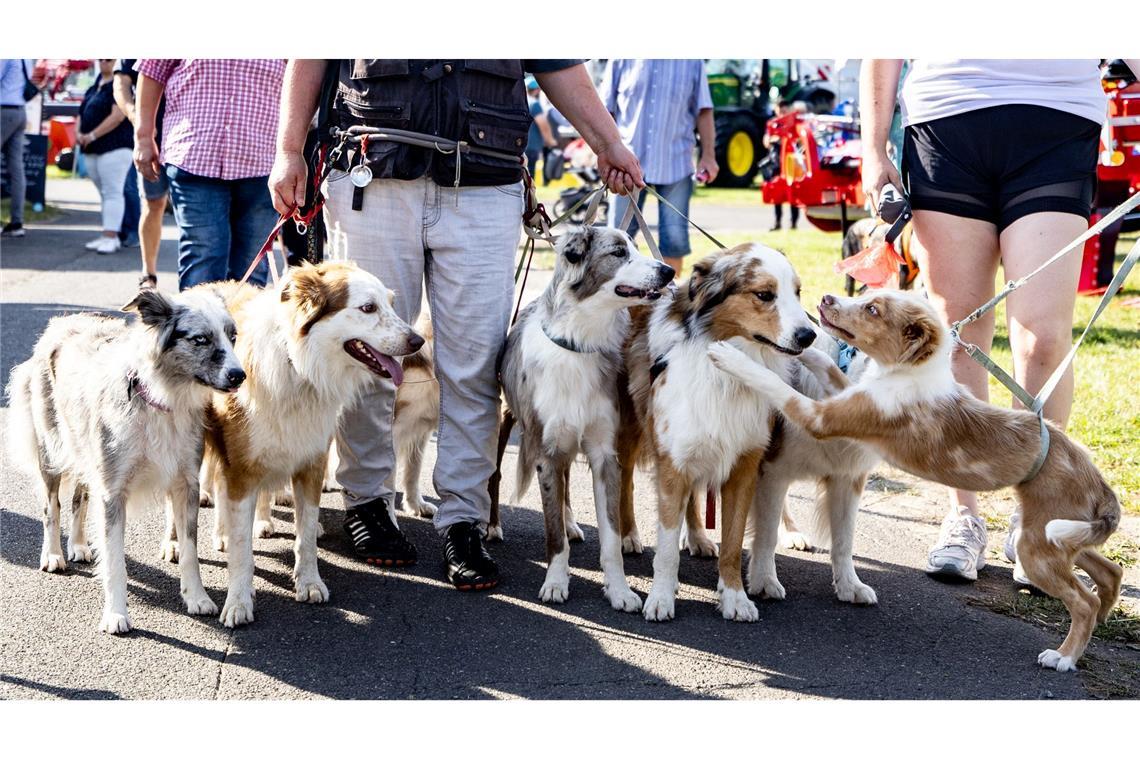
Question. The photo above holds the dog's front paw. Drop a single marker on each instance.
(658, 606)
(623, 599)
(495, 533)
(699, 544)
(78, 552)
(734, 604)
(631, 543)
(855, 592)
(312, 590)
(791, 539)
(238, 610)
(1051, 658)
(168, 550)
(419, 508)
(52, 563)
(114, 622)
(555, 591)
(574, 532)
(765, 586)
(199, 604)
(264, 528)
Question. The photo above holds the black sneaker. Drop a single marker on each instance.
(375, 538)
(13, 229)
(469, 566)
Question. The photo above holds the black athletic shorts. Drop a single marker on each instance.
(1001, 163)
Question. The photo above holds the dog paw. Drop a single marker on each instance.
(555, 591)
(264, 528)
(52, 563)
(658, 606)
(168, 550)
(238, 610)
(419, 508)
(78, 553)
(199, 604)
(312, 591)
(795, 540)
(114, 622)
(699, 544)
(574, 532)
(1051, 658)
(734, 604)
(623, 599)
(855, 592)
(219, 543)
(765, 586)
(494, 533)
(631, 544)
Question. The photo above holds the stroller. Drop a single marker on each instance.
(579, 160)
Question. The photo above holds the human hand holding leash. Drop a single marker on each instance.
(287, 181)
(620, 169)
(878, 171)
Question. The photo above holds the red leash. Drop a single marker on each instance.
(710, 509)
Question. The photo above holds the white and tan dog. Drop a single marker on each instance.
(309, 348)
(914, 413)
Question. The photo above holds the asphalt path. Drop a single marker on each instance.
(407, 634)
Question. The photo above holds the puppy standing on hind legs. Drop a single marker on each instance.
(913, 412)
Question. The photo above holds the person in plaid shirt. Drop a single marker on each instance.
(218, 147)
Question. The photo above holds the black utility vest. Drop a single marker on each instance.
(481, 101)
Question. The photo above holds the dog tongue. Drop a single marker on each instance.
(390, 365)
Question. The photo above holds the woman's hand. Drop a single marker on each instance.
(84, 139)
(878, 170)
(287, 181)
(620, 169)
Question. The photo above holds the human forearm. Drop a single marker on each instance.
(878, 85)
(125, 96)
(573, 94)
(105, 127)
(299, 93)
(706, 130)
(147, 97)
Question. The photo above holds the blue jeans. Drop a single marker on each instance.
(132, 209)
(672, 229)
(222, 225)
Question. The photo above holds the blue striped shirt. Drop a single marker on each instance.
(655, 102)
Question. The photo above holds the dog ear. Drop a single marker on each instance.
(575, 244)
(314, 295)
(920, 337)
(701, 271)
(154, 309)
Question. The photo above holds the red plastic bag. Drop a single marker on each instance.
(877, 266)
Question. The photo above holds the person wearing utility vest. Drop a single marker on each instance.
(410, 214)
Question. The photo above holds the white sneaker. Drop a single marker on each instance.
(107, 245)
(92, 245)
(1011, 538)
(960, 551)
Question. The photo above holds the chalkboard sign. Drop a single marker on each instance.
(35, 168)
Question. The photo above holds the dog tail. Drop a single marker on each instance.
(527, 461)
(1080, 533)
(22, 443)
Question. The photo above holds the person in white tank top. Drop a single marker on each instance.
(1000, 162)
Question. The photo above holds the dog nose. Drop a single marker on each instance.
(235, 377)
(804, 336)
(665, 274)
(415, 342)
(828, 300)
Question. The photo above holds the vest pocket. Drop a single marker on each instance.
(395, 115)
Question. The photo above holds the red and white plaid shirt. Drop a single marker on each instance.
(221, 113)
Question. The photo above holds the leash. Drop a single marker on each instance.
(1036, 403)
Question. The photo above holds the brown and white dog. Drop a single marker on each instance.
(914, 413)
(308, 347)
(703, 430)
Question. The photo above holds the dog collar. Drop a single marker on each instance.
(566, 343)
(138, 387)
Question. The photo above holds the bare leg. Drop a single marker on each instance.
(150, 233)
(78, 548)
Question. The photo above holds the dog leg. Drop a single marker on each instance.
(51, 555)
(113, 566)
(307, 497)
(184, 504)
(673, 491)
(1049, 568)
(606, 475)
(1106, 575)
(495, 525)
(573, 529)
(841, 497)
(552, 485)
(736, 499)
(263, 525)
(330, 483)
(790, 536)
(78, 547)
(238, 516)
(221, 525)
(697, 540)
(168, 549)
(627, 445)
(767, 507)
(411, 464)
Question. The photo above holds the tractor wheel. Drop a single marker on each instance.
(738, 150)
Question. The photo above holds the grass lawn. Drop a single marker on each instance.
(49, 212)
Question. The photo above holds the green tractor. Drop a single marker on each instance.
(744, 94)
